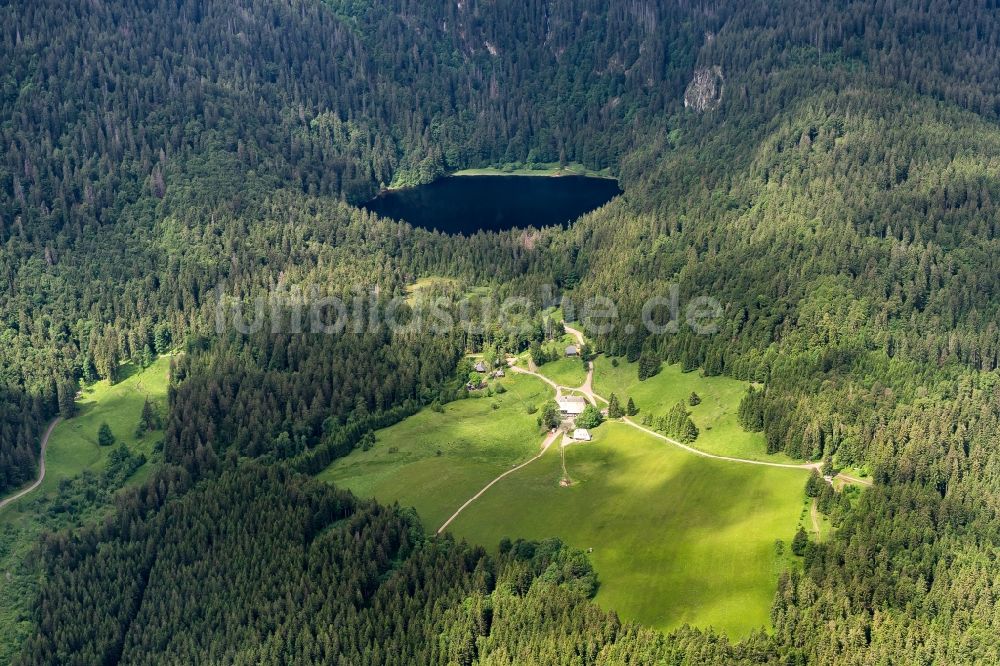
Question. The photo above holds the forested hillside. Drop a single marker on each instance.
(289, 570)
(840, 200)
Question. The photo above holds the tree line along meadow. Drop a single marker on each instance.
(840, 202)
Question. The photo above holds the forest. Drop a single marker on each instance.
(840, 201)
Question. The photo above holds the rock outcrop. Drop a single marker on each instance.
(705, 90)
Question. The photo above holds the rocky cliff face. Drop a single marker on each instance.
(705, 90)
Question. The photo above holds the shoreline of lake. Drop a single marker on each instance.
(546, 171)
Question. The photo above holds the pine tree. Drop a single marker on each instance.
(107, 358)
(814, 484)
(828, 469)
(649, 366)
(751, 410)
(104, 435)
(67, 398)
(538, 355)
(689, 431)
(800, 542)
(614, 409)
(677, 423)
(630, 408)
(161, 338)
(149, 420)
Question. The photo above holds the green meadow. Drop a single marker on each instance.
(435, 461)
(73, 450)
(676, 538)
(565, 371)
(73, 446)
(719, 429)
(422, 286)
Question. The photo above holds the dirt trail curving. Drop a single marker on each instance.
(594, 397)
(587, 389)
(851, 479)
(41, 467)
(814, 515)
(546, 443)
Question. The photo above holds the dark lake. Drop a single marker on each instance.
(467, 204)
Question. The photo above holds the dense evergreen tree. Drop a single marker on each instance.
(649, 366)
(676, 423)
(630, 408)
(615, 410)
(800, 541)
(751, 410)
(839, 202)
(104, 435)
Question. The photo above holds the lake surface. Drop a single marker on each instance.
(467, 204)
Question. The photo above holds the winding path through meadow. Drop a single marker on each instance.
(587, 389)
(546, 443)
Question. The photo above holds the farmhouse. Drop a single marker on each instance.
(581, 435)
(480, 367)
(571, 405)
(572, 351)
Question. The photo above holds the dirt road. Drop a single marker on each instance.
(546, 443)
(594, 397)
(588, 391)
(41, 467)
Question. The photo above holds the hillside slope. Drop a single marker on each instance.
(837, 195)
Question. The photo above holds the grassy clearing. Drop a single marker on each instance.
(817, 524)
(565, 371)
(676, 538)
(428, 284)
(434, 461)
(73, 446)
(719, 430)
(860, 473)
(444, 286)
(541, 169)
(72, 450)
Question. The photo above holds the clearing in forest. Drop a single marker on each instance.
(436, 460)
(57, 503)
(677, 538)
(719, 430)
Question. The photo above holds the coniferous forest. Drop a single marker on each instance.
(838, 193)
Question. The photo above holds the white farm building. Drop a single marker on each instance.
(571, 405)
